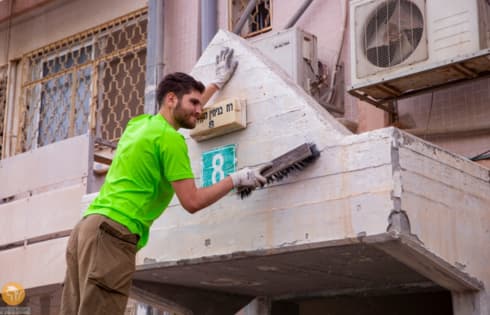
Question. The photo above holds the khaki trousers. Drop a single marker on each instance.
(100, 261)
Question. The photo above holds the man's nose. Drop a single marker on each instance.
(199, 110)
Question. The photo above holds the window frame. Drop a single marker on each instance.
(248, 34)
(84, 75)
(34, 139)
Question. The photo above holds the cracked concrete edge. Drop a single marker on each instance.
(407, 247)
(398, 220)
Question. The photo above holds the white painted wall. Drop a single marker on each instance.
(36, 265)
(48, 184)
(50, 165)
(41, 214)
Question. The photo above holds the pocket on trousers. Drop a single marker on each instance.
(114, 262)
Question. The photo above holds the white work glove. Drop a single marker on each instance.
(249, 177)
(224, 67)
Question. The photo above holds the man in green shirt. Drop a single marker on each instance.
(150, 165)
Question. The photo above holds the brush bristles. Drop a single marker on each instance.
(244, 192)
(306, 154)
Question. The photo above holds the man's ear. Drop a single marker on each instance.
(171, 100)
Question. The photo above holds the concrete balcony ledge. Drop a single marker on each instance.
(385, 264)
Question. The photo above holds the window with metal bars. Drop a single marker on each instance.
(3, 104)
(259, 20)
(58, 105)
(90, 82)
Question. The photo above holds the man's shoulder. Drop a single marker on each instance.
(147, 124)
(139, 119)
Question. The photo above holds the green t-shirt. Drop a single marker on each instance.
(137, 189)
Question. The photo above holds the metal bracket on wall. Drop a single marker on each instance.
(431, 78)
(383, 104)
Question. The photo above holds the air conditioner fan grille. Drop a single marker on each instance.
(392, 33)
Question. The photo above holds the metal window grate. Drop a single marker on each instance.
(92, 81)
(3, 103)
(259, 20)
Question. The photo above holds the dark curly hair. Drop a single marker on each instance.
(178, 83)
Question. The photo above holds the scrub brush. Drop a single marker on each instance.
(292, 161)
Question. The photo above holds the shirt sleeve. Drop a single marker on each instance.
(175, 158)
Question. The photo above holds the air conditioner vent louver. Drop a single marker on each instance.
(392, 33)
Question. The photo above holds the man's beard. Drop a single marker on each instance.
(182, 118)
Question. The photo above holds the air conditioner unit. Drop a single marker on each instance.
(400, 46)
(295, 51)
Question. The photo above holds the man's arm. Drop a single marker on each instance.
(194, 199)
(208, 93)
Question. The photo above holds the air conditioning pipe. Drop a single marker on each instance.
(241, 22)
(299, 13)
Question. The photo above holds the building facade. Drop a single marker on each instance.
(386, 220)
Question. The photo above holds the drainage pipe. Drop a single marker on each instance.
(337, 65)
(299, 13)
(209, 21)
(154, 53)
